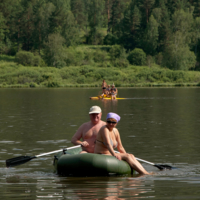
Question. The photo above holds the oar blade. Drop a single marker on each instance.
(18, 160)
(163, 167)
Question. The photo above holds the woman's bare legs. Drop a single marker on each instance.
(131, 160)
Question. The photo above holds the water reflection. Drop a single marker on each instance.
(47, 186)
(104, 188)
(108, 106)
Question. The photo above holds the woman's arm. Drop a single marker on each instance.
(119, 146)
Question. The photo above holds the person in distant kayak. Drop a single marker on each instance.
(87, 132)
(113, 91)
(103, 87)
(108, 90)
(108, 138)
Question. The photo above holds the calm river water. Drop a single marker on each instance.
(161, 125)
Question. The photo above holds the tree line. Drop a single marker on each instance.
(168, 31)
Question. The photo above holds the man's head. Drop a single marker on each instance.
(95, 114)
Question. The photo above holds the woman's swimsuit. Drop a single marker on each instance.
(111, 142)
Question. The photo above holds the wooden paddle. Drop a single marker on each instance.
(161, 167)
(23, 159)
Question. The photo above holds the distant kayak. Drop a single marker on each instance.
(107, 98)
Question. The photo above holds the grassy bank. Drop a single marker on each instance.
(18, 76)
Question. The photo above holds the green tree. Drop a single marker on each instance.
(137, 57)
(79, 11)
(108, 5)
(2, 31)
(54, 51)
(95, 17)
(162, 16)
(26, 23)
(196, 37)
(151, 40)
(70, 31)
(196, 5)
(182, 24)
(87, 11)
(130, 27)
(178, 58)
(177, 54)
(117, 51)
(10, 10)
(58, 18)
(43, 13)
(174, 5)
(63, 22)
(117, 10)
(146, 6)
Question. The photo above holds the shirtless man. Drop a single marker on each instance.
(104, 91)
(89, 130)
(103, 85)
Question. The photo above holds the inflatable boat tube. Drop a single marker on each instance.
(71, 163)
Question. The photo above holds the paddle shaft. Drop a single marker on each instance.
(23, 159)
(51, 152)
(144, 161)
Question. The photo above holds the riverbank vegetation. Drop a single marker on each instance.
(13, 75)
(54, 43)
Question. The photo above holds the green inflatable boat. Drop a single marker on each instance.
(71, 163)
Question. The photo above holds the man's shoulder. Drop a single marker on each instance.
(103, 122)
(86, 124)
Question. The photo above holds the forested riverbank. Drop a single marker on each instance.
(62, 43)
(18, 76)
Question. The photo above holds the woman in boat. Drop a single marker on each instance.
(108, 138)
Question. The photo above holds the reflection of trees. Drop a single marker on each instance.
(109, 106)
(47, 186)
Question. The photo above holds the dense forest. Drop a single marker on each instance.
(138, 32)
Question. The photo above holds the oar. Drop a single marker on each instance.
(23, 159)
(161, 167)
